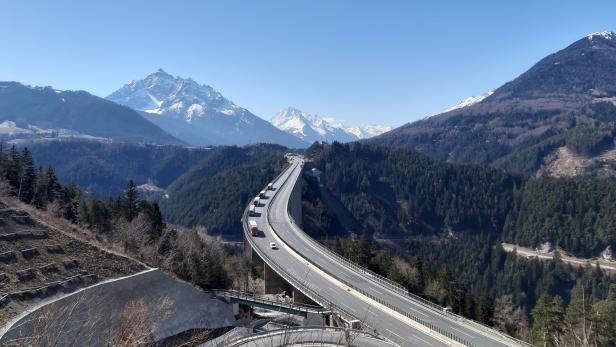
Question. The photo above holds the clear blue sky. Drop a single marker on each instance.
(384, 62)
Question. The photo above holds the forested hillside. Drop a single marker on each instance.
(404, 191)
(207, 187)
(452, 220)
(124, 223)
(103, 168)
(214, 192)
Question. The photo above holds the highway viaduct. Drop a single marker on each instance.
(356, 297)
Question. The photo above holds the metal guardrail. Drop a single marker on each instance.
(345, 282)
(404, 292)
(271, 333)
(268, 301)
(309, 292)
(377, 278)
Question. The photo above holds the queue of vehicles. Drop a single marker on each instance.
(254, 228)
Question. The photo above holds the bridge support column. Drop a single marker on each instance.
(299, 298)
(256, 262)
(273, 283)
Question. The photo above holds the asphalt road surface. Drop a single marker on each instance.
(324, 274)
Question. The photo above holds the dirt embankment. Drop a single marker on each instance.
(564, 163)
(39, 261)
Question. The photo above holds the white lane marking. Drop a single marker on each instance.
(337, 282)
(414, 310)
(462, 332)
(392, 333)
(424, 341)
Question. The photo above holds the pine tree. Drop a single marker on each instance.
(53, 185)
(484, 309)
(41, 195)
(578, 318)
(98, 215)
(155, 218)
(421, 273)
(603, 313)
(70, 199)
(12, 171)
(26, 176)
(131, 200)
(547, 321)
(83, 212)
(363, 250)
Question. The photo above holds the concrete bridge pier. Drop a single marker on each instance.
(273, 283)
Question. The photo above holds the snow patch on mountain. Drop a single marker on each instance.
(470, 101)
(608, 35)
(311, 128)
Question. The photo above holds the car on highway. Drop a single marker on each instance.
(273, 245)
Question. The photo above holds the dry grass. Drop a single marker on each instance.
(61, 225)
(75, 324)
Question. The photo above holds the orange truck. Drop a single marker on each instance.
(254, 229)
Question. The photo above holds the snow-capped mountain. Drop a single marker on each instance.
(311, 128)
(470, 101)
(197, 113)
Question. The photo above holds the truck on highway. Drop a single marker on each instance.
(254, 229)
(251, 210)
(256, 201)
(262, 194)
(270, 186)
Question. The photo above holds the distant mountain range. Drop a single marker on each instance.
(197, 113)
(44, 112)
(311, 128)
(160, 109)
(556, 118)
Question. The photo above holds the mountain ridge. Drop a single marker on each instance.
(524, 122)
(197, 113)
(45, 111)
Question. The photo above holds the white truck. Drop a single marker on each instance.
(270, 186)
(256, 201)
(251, 210)
(254, 228)
(262, 194)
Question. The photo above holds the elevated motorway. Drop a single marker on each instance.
(381, 306)
(312, 336)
